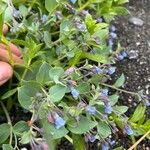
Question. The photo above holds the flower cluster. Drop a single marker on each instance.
(67, 79)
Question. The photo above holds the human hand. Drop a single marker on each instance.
(6, 71)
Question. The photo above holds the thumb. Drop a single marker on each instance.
(6, 72)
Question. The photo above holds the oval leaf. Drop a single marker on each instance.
(9, 93)
(103, 129)
(7, 147)
(83, 126)
(57, 92)
(138, 113)
(50, 5)
(120, 81)
(4, 132)
(43, 74)
(20, 127)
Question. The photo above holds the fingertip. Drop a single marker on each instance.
(15, 49)
(5, 28)
(6, 72)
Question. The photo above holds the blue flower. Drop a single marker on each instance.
(92, 138)
(105, 146)
(147, 103)
(128, 129)
(111, 70)
(99, 20)
(16, 13)
(113, 35)
(91, 110)
(108, 109)
(110, 43)
(59, 122)
(120, 57)
(80, 26)
(112, 28)
(124, 54)
(44, 18)
(97, 70)
(104, 92)
(74, 93)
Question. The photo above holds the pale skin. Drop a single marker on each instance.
(6, 71)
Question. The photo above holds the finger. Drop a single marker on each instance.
(6, 72)
(4, 56)
(13, 47)
(5, 28)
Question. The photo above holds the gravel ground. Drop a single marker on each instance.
(135, 38)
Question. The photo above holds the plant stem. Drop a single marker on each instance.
(25, 71)
(32, 4)
(69, 139)
(85, 5)
(9, 121)
(133, 141)
(121, 90)
(139, 141)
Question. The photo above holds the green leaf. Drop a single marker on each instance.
(26, 137)
(90, 23)
(51, 5)
(47, 134)
(119, 2)
(78, 142)
(8, 16)
(76, 58)
(83, 126)
(120, 81)
(4, 132)
(3, 7)
(138, 113)
(47, 39)
(23, 10)
(95, 57)
(56, 133)
(146, 125)
(113, 99)
(20, 127)
(120, 10)
(83, 87)
(9, 94)
(55, 73)
(103, 129)
(43, 74)
(57, 92)
(65, 27)
(120, 109)
(26, 93)
(7, 147)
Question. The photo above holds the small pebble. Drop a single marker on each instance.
(133, 54)
(138, 43)
(136, 21)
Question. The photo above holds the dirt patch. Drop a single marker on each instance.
(135, 39)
